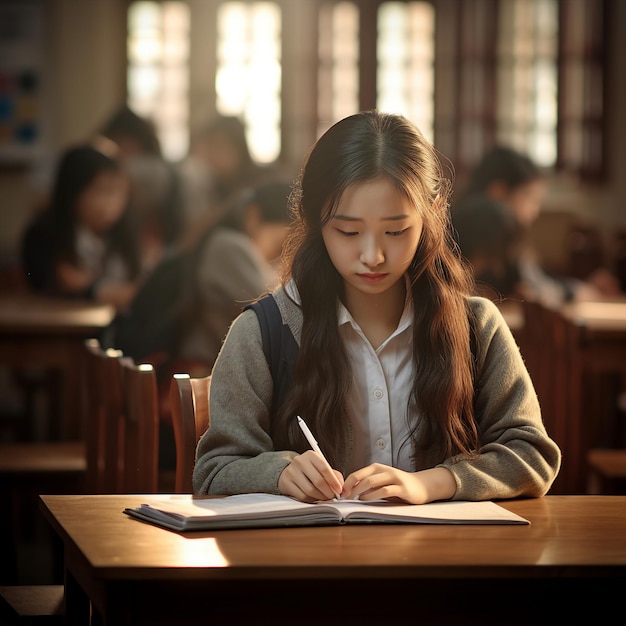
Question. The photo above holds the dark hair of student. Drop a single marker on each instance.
(272, 199)
(502, 165)
(78, 167)
(125, 123)
(248, 172)
(486, 229)
(361, 148)
(233, 128)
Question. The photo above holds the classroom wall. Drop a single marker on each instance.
(84, 49)
(84, 80)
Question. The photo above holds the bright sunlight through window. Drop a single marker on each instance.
(158, 54)
(248, 80)
(527, 79)
(405, 53)
(338, 76)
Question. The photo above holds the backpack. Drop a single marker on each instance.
(150, 326)
(279, 346)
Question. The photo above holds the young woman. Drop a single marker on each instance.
(413, 389)
(84, 244)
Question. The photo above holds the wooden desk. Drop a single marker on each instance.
(600, 322)
(597, 377)
(576, 357)
(48, 333)
(562, 565)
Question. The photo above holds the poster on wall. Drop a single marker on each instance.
(21, 69)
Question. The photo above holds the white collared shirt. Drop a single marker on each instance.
(92, 255)
(378, 399)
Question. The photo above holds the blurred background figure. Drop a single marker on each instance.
(489, 238)
(84, 243)
(156, 193)
(217, 168)
(237, 264)
(511, 178)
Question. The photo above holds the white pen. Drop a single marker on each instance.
(313, 443)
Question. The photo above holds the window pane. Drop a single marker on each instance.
(249, 75)
(581, 101)
(405, 54)
(527, 78)
(338, 75)
(158, 57)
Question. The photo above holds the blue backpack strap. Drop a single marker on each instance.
(279, 346)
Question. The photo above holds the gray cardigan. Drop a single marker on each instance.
(516, 457)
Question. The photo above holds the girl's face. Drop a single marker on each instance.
(103, 201)
(525, 201)
(372, 237)
(222, 156)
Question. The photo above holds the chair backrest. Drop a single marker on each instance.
(189, 400)
(121, 422)
(141, 428)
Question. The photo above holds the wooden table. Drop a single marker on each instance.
(48, 334)
(576, 356)
(601, 322)
(597, 379)
(560, 567)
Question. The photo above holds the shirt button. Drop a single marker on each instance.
(381, 444)
(378, 393)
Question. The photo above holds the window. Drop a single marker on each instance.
(581, 100)
(405, 57)
(158, 53)
(528, 73)
(527, 78)
(248, 79)
(338, 74)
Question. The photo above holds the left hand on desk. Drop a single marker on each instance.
(378, 481)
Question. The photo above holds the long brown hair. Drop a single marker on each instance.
(361, 148)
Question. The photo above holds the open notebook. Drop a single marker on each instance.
(261, 510)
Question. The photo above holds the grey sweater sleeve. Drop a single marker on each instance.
(517, 458)
(236, 454)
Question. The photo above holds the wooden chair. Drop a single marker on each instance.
(606, 471)
(189, 400)
(121, 430)
(26, 470)
(37, 462)
(121, 403)
(141, 431)
(32, 604)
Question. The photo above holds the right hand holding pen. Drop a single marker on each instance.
(310, 478)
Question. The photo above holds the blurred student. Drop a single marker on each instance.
(84, 243)
(489, 238)
(156, 193)
(237, 264)
(513, 179)
(218, 167)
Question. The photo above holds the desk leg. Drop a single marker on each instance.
(77, 605)
(117, 606)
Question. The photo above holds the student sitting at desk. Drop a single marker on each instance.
(413, 388)
(84, 245)
(517, 183)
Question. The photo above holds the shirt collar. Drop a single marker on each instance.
(345, 317)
